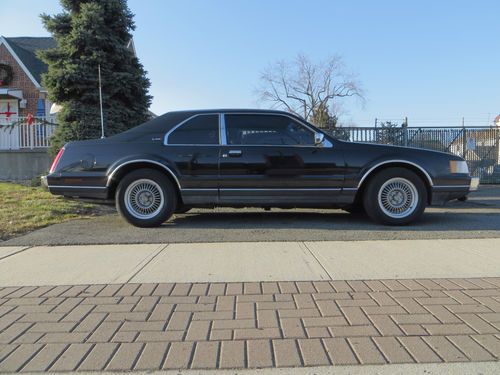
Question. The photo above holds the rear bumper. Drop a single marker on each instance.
(90, 192)
(76, 186)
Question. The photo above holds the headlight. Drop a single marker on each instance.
(459, 166)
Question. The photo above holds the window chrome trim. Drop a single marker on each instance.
(111, 175)
(326, 142)
(167, 134)
(328, 145)
(429, 179)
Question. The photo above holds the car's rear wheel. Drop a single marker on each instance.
(146, 198)
(395, 196)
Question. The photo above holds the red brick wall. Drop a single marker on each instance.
(21, 81)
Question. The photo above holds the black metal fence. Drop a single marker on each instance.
(480, 146)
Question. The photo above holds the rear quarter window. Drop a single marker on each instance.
(200, 130)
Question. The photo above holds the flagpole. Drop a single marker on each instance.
(100, 100)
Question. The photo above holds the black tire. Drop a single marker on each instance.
(395, 196)
(156, 191)
(181, 209)
(355, 209)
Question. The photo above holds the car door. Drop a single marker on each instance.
(194, 146)
(271, 158)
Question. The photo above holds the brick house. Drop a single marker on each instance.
(23, 143)
(21, 90)
(24, 94)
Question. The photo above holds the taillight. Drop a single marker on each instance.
(56, 161)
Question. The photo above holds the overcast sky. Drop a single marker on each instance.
(433, 61)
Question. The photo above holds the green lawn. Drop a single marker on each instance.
(23, 209)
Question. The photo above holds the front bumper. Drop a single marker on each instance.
(444, 193)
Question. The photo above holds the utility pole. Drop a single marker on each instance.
(100, 100)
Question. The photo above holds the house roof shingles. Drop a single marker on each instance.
(26, 48)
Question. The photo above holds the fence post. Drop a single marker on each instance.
(19, 136)
(497, 143)
(405, 132)
(464, 139)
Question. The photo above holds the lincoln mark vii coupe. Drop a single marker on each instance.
(252, 158)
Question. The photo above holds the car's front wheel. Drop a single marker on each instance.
(146, 198)
(356, 208)
(395, 196)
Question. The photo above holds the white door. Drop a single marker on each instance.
(9, 135)
(9, 111)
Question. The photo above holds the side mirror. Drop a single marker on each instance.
(318, 139)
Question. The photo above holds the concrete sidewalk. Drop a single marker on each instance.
(247, 261)
(405, 306)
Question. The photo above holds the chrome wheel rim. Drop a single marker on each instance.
(144, 199)
(398, 198)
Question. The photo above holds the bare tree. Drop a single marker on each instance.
(311, 90)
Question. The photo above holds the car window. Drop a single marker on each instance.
(200, 130)
(266, 130)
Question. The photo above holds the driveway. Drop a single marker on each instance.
(479, 217)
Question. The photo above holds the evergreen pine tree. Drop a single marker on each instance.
(88, 33)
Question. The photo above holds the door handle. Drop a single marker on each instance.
(234, 153)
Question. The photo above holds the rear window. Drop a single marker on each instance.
(200, 130)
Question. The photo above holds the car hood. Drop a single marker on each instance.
(389, 149)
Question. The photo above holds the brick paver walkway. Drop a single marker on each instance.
(236, 325)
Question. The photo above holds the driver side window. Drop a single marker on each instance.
(277, 130)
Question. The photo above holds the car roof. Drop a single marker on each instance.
(168, 120)
(233, 110)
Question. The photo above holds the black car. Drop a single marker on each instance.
(252, 158)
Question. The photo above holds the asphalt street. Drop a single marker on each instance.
(479, 217)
